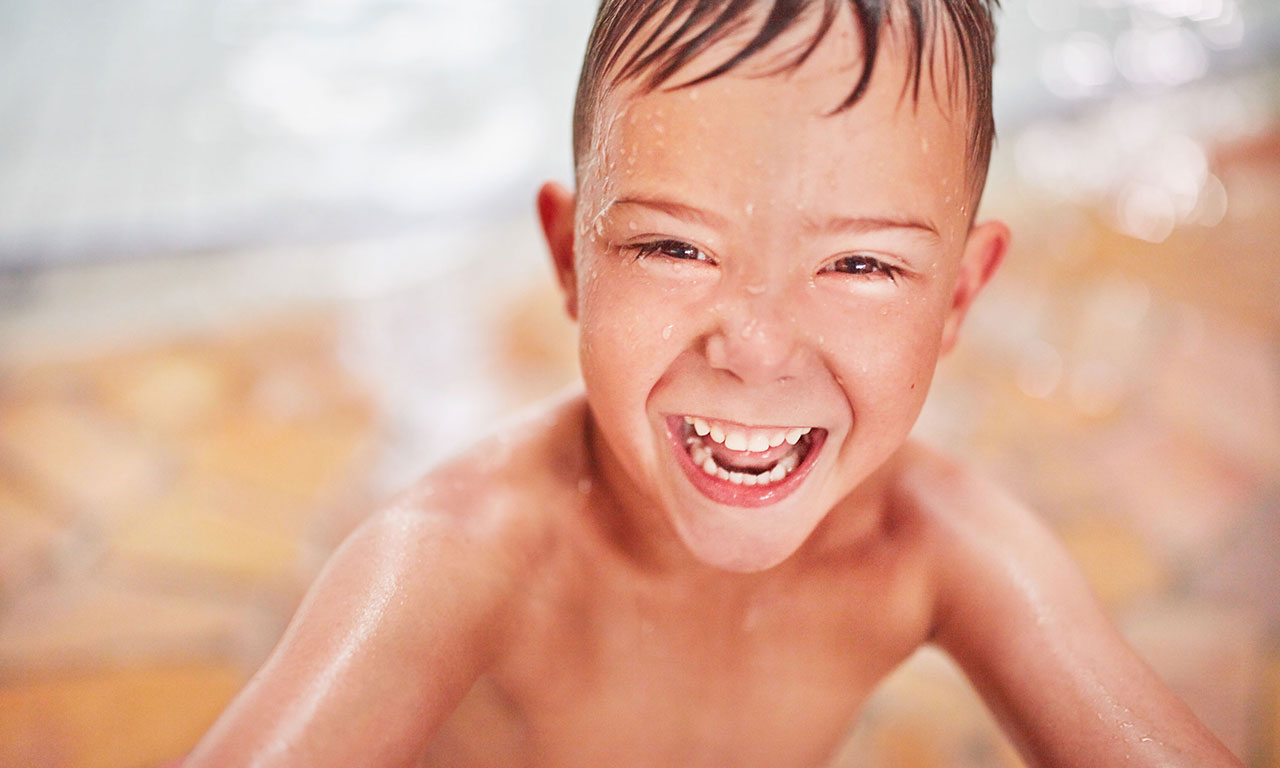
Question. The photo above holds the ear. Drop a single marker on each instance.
(984, 249)
(555, 210)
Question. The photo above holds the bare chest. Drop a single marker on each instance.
(628, 678)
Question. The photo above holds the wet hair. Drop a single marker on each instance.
(661, 36)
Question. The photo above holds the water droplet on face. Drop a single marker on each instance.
(750, 208)
(600, 227)
(632, 226)
(749, 328)
(755, 289)
(666, 332)
(584, 485)
(693, 94)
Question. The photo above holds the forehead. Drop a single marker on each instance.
(758, 129)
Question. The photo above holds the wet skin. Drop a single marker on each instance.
(566, 595)
(783, 268)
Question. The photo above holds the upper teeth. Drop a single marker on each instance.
(737, 438)
(705, 460)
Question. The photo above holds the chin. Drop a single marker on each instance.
(741, 498)
(735, 545)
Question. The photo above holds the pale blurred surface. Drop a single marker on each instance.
(261, 264)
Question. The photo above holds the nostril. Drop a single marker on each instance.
(716, 353)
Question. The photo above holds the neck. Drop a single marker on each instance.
(857, 520)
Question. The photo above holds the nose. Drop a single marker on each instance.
(755, 338)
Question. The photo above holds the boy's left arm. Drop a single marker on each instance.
(1016, 614)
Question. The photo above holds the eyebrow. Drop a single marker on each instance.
(849, 225)
(672, 208)
(857, 225)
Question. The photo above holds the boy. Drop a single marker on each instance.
(713, 556)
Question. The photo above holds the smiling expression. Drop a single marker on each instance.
(764, 289)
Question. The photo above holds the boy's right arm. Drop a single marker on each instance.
(398, 626)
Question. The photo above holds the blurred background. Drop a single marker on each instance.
(263, 262)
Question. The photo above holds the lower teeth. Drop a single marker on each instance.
(702, 457)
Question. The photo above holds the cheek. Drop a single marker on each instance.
(627, 333)
(885, 353)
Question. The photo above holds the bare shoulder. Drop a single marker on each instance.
(979, 537)
(505, 496)
(948, 492)
(482, 525)
(1016, 613)
(411, 609)
(964, 514)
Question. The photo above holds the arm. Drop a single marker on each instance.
(1018, 617)
(388, 640)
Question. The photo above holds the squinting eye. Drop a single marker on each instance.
(862, 264)
(670, 248)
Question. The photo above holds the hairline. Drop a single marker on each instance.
(653, 64)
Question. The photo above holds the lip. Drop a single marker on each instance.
(731, 494)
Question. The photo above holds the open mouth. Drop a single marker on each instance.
(742, 465)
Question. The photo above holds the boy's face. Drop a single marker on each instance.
(740, 258)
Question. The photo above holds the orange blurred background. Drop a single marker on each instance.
(263, 263)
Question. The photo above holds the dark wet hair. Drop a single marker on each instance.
(664, 35)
